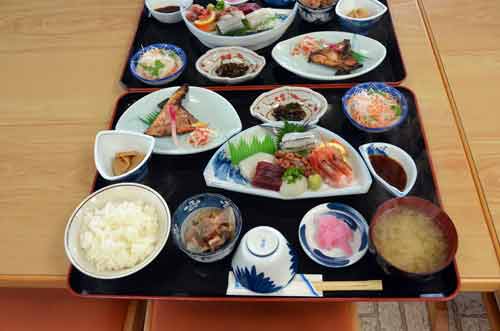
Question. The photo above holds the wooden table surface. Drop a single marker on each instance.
(471, 66)
(60, 71)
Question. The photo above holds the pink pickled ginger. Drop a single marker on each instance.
(332, 232)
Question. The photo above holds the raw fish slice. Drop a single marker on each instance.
(184, 120)
(332, 232)
(268, 176)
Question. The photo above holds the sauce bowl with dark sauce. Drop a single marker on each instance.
(391, 167)
(165, 11)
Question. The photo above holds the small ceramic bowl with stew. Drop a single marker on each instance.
(360, 100)
(109, 143)
(316, 15)
(373, 8)
(435, 214)
(186, 215)
(165, 11)
(391, 166)
(264, 261)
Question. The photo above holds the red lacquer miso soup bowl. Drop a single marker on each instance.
(412, 237)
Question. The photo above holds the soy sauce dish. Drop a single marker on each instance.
(158, 64)
(165, 11)
(413, 238)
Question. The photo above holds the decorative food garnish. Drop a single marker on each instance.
(244, 148)
(125, 161)
(329, 163)
(289, 112)
(390, 170)
(314, 182)
(332, 232)
(232, 69)
(249, 165)
(338, 56)
(184, 121)
(232, 20)
(293, 182)
(373, 108)
(410, 240)
(167, 9)
(157, 63)
(208, 229)
(268, 176)
(201, 136)
(316, 4)
(359, 13)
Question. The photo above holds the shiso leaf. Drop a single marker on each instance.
(240, 150)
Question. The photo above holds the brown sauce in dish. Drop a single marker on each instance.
(390, 170)
(168, 9)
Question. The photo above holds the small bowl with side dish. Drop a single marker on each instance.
(192, 227)
(412, 237)
(100, 234)
(230, 65)
(165, 11)
(264, 261)
(291, 103)
(317, 12)
(158, 64)
(391, 166)
(359, 15)
(374, 107)
(334, 235)
(130, 167)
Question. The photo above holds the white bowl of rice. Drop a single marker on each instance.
(117, 230)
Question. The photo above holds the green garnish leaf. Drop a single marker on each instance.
(287, 128)
(242, 149)
(396, 109)
(358, 56)
(148, 119)
(291, 175)
(219, 5)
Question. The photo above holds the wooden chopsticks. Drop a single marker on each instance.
(364, 285)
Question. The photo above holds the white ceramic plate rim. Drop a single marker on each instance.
(128, 271)
(361, 187)
(323, 103)
(329, 77)
(167, 92)
(248, 53)
(382, 12)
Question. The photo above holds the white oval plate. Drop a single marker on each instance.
(205, 105)
(313, 103)
(207, 63)
(220, 173)
(372, 49)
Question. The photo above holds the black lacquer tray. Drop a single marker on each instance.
(149, 31)
(174, 276)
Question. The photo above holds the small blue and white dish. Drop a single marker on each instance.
(397, 154)
(317, 15)
(194, 204)
(165, 80)
(377, 88)
(375, 10)
(110, 142)
(264, 262)
(335, 257)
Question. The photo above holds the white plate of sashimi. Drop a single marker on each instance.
(288, 162)
(203, 119)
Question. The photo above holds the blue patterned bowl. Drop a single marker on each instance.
(360, 25)
(334, 258)
(206, 200)
(264, 262)
(155, 82)
(317, 15)
(381, 87)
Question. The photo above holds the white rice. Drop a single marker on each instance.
(120, 235)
